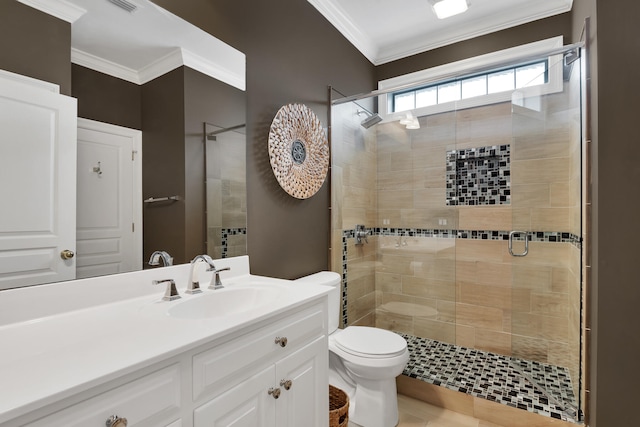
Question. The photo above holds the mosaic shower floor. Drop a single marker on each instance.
(493, 377)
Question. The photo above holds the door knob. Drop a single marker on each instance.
(116, 421)
(286, 384)
(275, 392)
(67, 254)
(282, 341)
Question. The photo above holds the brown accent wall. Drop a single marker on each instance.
(106, 98)
(35, 44)
(292, 53)
(163, 164)
(615, 293)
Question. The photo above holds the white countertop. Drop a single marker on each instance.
(47, 358)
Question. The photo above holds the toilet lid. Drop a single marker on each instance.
(370, 342)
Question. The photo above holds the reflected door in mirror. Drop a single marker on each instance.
(109, 221)
(37, 183)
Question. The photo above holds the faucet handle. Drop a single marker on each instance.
(171, 292)
(216, 283)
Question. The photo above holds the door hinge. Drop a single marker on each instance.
(133, 227)
(133, 154)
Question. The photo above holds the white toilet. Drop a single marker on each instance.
(363, 361)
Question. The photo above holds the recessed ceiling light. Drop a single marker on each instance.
(447, 8)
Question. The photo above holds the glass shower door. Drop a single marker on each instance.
(543, 245)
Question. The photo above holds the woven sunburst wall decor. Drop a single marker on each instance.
(298, 150)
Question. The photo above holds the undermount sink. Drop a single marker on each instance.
(223, 302)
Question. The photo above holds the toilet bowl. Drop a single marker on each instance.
(363, 361)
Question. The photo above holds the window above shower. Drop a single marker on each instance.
(453, 86)
(478, 85)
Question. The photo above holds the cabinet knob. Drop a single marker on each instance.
(286, 384)
(116, 421)
(282, 341)
(275, 392)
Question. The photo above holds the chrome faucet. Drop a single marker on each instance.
(193, 285)
(167, 259)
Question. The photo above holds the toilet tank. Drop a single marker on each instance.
(332, 279)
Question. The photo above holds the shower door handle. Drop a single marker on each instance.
(526, 243)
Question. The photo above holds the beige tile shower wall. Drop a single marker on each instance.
(415, 280)
(354, 201)
(472, 292)
(411, 174)
(515, 306)
(361, 291)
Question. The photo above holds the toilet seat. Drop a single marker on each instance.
(371, 343)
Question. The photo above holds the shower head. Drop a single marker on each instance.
(370, 120)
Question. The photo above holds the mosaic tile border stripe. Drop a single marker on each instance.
(346, 234)
(225, 233)
(498, 378)
(534, 236)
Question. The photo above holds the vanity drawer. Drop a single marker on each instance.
(150, 401)
(222, 365)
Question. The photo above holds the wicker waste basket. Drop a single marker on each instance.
(338, 407)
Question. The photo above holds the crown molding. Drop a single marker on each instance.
(104, 66)
(61, 9)
(214, 69)
(176, 58)
(336, 16)
(534, 12)
(161, 66)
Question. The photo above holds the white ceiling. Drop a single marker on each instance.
(386, 30)
(144, 44)
(147, 43)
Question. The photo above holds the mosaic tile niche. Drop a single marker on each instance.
(479, 176)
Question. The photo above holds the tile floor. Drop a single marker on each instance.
(415, 413)
(493, 377)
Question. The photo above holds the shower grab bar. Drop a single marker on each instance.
(526, 243)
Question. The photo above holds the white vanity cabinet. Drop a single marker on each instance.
(270, 372)
(275, 376)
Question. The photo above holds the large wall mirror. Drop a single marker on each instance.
(180, 89)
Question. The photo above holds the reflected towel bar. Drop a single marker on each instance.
(162, 199)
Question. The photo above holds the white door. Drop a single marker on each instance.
(37, 182)
(109, 212)
(248, 404)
